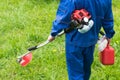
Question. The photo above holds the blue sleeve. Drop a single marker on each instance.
(108, 22)
(63, 16)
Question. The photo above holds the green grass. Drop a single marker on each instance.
(25, 23)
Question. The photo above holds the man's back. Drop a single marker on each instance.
(101, 14)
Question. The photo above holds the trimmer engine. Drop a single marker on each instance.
(80, 19)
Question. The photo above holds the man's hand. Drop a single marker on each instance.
(102, 43)
(50, 38)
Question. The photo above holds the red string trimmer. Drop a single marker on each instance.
(80, 20)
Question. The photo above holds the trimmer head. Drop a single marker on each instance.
(25, 59)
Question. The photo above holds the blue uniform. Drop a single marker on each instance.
(79, 46)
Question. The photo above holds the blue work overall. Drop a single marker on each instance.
(80, 46)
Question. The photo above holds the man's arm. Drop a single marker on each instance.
(108, 22)
(63, 17)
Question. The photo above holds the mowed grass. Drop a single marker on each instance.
(25, 23)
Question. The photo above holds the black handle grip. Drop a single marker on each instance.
(32, 48)
(67, 30)
(73, 25)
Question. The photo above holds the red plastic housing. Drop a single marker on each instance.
(107, 56)
(80, 14)
(26, 59)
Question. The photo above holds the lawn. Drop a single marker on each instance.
(25, 23)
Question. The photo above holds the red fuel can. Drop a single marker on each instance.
(107, 56)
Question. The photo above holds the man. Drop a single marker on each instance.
(80, 46)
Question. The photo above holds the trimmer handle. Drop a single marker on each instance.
(73, 25)
(38, 46)
(32, 48)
